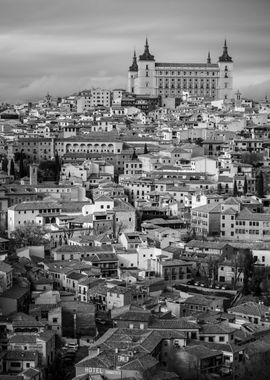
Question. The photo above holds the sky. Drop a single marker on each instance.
(63, 46)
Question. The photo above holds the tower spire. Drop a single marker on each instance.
(209, 58)
(146, 56)
(225, 56)
(134, 66)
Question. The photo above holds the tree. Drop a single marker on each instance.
(118, 229)
(57, 167)
(244, 263)
(251, 158)
(29, 234)
(219, 188)
(21, 167)
(245, 188)
(235, 189)
(5, 165)
(47, 170)
(145, 149)
(260, 185)
(189, 235)
(199, 141)
(12, 167)
(134, 155)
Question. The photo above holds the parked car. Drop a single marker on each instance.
(72, 346)
(191, 282)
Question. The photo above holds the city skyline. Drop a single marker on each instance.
(67, 46)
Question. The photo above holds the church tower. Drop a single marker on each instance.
(132, 74)
(225, 81)
(145, 84)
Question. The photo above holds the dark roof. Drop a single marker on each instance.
(186, 65)
(173, 324)
(146, 56)
(15, 293)
(201, 351)
(99, 257)
(139, 316)
(75, 276)
(250, 308)
(225, 56)
(217, 328)
(134, 66)
(21, 355)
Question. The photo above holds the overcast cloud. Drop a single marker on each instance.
(62, 46)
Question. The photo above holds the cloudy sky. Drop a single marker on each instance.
(62, 46)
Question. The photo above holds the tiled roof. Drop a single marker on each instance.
(4, 267)
(24, 206)
(103, 198)
(230, 211)
(118, 290)
(173, 324)
(74, 206)
(231, 201)
(216, 328)
(75, 276)
(15, 292)
(206, 244)
(223, 178)
(46, 335)
(120, 205)
(208, 208)
(170, 263)
(21, 355)
(186, 65)
(201, 300)
(83, 248)
(139, 316)
(246, 214)
(23, 338)
(99, 257)
(250, 308)
(201, 351)
(30, 372)
(219, 346)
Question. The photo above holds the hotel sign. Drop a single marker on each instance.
(101, 371)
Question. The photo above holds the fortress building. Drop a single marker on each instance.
(171, 80)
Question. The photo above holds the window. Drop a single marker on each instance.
(15, 364)
(222, 339)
